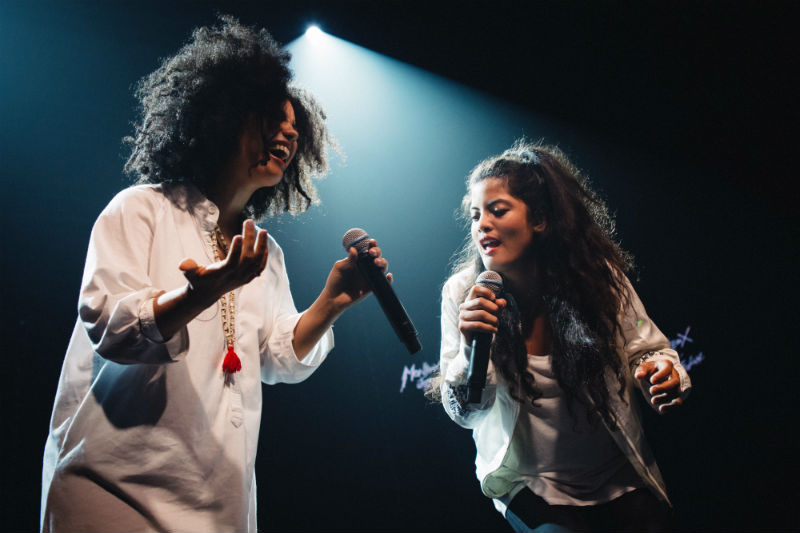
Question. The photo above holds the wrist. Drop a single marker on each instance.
(330, 306)
(198, 299)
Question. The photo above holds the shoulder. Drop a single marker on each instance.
(136, 199)
(272, 245)
(275, 257)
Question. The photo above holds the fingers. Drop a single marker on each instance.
(667, 400)
(249, 234)
(374, 251)
(480, 316)
(262, 249)
(667, 383)
(479, 291)
(663, 371)
(248, 253)
(235, 251)
(479, 313)
(665, 380)
(481, 303)
(670, 405)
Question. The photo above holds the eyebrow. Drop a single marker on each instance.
(491, 204)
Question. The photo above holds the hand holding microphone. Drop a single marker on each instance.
(478, 321)
(392, 308)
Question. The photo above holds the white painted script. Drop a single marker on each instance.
(420, 376)
(679, 345)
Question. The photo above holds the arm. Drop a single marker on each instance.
(297, 343)
(117, 294)
(128, 319)
(477, 313)
(344, 287)
(659, 374)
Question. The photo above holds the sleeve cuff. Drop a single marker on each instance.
(280, 343)
(176, 346)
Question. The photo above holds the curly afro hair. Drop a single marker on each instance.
(194, 106)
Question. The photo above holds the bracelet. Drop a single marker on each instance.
(646, 356)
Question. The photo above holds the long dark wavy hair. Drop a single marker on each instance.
(580, 269)
(193, 110)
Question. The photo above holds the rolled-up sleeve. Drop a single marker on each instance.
(116, 300)
(643, 341)
(279, 362)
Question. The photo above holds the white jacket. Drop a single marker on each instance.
(493, 420)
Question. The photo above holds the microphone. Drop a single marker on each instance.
(481, 342)
(392, 308)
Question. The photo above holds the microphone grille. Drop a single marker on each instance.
(491, 280)
(357, 238)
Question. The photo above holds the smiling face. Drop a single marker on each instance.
(501, 228)
(257, 165)
(281, 148)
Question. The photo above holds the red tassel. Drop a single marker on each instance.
(231, 364)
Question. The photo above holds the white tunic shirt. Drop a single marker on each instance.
(146, 434)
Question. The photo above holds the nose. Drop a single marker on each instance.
(483, 223)
(289, 131)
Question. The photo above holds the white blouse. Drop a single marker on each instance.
(146, 434)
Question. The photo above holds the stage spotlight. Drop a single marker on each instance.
(313, 32)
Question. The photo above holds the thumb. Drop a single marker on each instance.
(189, 268)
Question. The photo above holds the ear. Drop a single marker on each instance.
(540, 227)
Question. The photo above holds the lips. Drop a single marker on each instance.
(280, 151)
(489, 244)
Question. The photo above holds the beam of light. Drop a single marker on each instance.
(409, 138)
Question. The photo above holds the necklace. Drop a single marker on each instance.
(231, 364)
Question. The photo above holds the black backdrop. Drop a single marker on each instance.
(682, 113)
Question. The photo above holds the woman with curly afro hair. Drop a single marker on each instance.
(185, 306)
(559, 440)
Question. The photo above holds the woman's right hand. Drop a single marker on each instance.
(247, 257)
(479, 312)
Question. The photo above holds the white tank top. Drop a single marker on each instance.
(563, 458)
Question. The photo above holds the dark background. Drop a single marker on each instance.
(684, 114)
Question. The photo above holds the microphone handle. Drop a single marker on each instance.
(389, 302)
(478, 364)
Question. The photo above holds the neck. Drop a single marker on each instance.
(526, 287)
(231, 203)
(524, 284)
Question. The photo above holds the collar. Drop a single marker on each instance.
(188, 197)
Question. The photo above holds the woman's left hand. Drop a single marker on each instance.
(346, 285)
(665, 384)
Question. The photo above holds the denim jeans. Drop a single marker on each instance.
(519, 526)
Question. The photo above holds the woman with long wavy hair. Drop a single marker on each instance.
(185, 306)
(558, 436)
